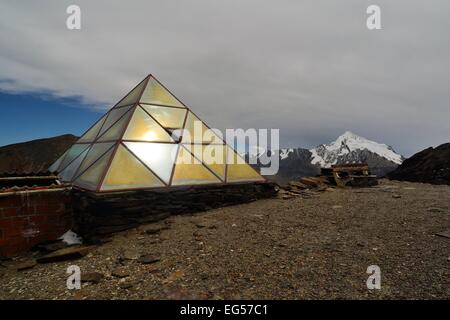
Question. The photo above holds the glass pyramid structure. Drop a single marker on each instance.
(150, 139)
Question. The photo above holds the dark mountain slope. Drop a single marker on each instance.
(35, 155)
(431, 165)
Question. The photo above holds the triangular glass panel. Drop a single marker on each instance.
(143, 128)
(189, 170)
(68, 173)
(90, 179)
(113, 116)
(95, 152)
(159, 157)
(168, 117)
(239, 170)
(55, 166)
(213, 156)
(155, 93)
(116, 131)
(133, 96)
(71, 154)
(195, 131)
(127, 172)
(91, 134)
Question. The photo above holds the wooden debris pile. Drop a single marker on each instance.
(305, 187)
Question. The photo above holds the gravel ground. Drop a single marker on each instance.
(302, 248)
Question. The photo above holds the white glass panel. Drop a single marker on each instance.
(157, 156)
(90, 135)
(115, 132)
(55, 166)
(95, 152)
(68, 173)
(72, 153)
(113, 116)
(90, 179)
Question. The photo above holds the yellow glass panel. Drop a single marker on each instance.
(133, 96)
(143, 128)
(127, 172)
(91, 134)
(213, 156)
(155, 93)
(166, 116)
(238, 170)
(195, 131)
(189, 171)
(116, 131)
(90, 179)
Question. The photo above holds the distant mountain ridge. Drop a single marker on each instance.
(33, 156)
(347, 148)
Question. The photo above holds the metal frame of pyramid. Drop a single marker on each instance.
(125, 149)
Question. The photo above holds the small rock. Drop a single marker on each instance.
(173, 276)
(128, 255)
(336, 207)
(26, 265)
(126, 284)
(205, 224)
(152, 269)
(148, 259)
(152, 229)
(396, 196)
(120, 273)
(360, 244)
(444, 234)
(93, 277)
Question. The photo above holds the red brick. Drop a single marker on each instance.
(9, 212)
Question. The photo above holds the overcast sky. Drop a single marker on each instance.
(310, 68)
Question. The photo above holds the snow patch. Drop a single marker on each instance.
(70, 238)
(284, 153)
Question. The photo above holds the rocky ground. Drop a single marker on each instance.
(314, 246)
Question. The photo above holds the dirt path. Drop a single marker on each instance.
(277, 249)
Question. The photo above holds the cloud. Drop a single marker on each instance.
(310, 68)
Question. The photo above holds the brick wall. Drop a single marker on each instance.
(31, 217)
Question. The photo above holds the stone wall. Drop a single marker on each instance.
(96, 215)
(31, 217)
(28, 218)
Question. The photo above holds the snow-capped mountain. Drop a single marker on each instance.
(351, 148)
(347, 148)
